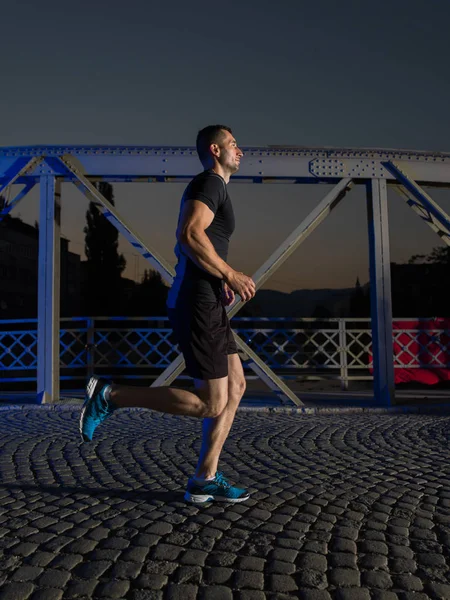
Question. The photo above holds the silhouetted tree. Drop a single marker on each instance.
(359, 301)
(104, 265)
(439, 255)
(150, 295)
(426, 294)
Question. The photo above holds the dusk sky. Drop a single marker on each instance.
(325, 73)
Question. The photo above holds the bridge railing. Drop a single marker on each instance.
(141, 348)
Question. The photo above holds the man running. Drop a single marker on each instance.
(204, 284)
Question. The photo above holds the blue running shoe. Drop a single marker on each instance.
(95, 408)
(218, 489)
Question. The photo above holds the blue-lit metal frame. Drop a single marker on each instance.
(380, 291)
(49, 289)
(82, 165)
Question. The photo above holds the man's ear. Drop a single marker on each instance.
(215, 149)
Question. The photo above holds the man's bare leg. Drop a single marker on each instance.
(208, 402)
(216, 429)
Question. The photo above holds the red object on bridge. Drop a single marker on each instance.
(421, 350)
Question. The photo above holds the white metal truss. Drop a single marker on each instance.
(421, 203)
(113, 215)
(18, 169)
(49, 288)
(380, 291)
(266, 164)
(268, 268)
(406, 170)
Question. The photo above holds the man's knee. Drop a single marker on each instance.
(236, 389)
(213, 401)
(215, 406)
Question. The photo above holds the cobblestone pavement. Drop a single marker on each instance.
(353, 507)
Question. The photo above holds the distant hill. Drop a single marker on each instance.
(301, 303)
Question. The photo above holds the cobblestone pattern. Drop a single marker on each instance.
(352, 507)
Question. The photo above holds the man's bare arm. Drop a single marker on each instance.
(191, 234)
(195, 219)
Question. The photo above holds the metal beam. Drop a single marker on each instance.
(275, 383)
(15, 201)
(49, 290)
(261, 164)
(380, 292)
(421, 203)
(21, 167)
(171, 372)
(438, 227)
(299, 235)
(265, 373)
(268, 164)
(113, 215)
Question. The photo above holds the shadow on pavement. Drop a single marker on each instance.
(148, 495)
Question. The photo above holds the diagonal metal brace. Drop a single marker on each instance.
(298, 236)
(114, 217)
(265, 373)
(109, 211)
(271, 379)
(15, 201)
(280, 255)
(112, 214)
(18, 169)
(420, 202)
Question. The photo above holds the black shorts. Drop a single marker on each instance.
(203, 333)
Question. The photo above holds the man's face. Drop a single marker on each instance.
(229, 155)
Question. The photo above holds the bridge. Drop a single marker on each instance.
(406, 171)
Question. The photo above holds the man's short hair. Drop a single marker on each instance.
(212, 134)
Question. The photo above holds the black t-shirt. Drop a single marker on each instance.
(191, 281)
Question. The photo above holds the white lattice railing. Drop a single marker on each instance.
(140, 348)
